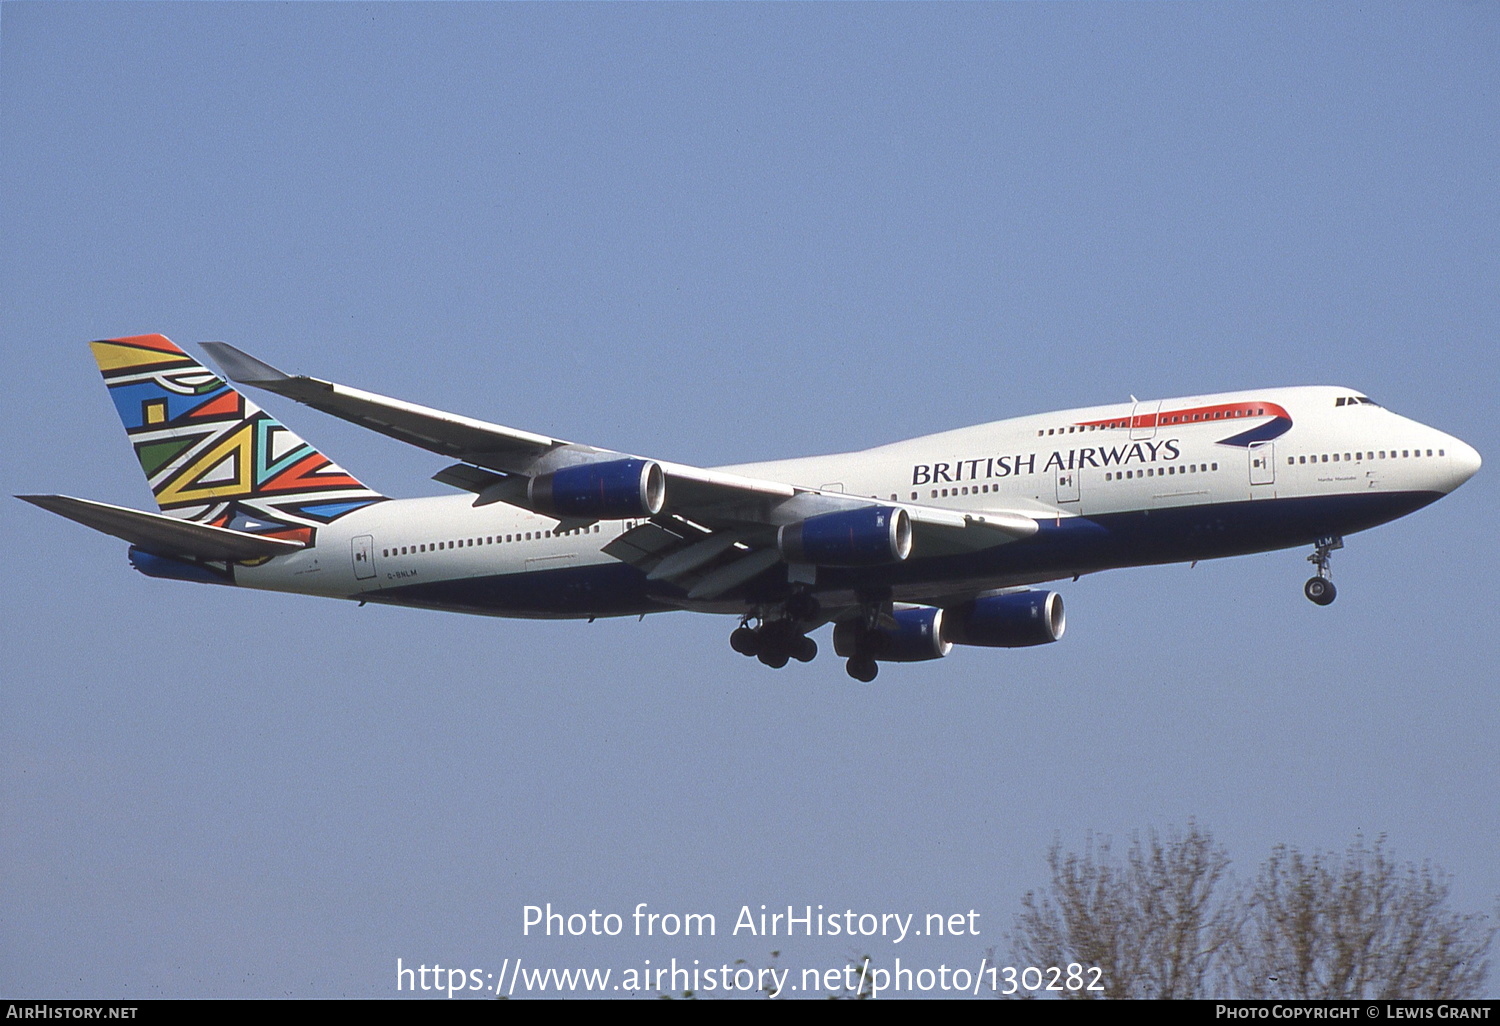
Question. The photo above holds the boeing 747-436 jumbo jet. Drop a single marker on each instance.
(907, 549)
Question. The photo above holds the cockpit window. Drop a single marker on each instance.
(1354, 400)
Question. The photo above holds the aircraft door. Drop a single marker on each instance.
(1143, 419)
(1263, 463)
(1067, 485)
(364, 557)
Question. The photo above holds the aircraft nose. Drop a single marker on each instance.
(1463, 462)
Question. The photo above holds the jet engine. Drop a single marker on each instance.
(917, 636)
(1013, 620)
(601, 491)
(869, 536)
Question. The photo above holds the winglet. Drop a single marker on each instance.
(241, 366)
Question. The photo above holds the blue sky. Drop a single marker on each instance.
(714, 234)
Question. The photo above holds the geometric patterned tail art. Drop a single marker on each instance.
(213, 456)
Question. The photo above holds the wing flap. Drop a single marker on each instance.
(732, 575)
(644, 545)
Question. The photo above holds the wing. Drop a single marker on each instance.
(713, 531)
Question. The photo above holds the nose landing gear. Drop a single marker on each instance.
(1320, 589)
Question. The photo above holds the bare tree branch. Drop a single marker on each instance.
(1169, 923)
(1155, 926)
(1357, 926)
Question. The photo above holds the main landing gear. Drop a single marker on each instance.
(774, 642)
(781, 636)
(1320, 589)
(780, 633)
(868, 641)
(862, 668)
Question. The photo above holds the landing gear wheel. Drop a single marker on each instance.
(862, 668)
(804, 649)
(1320, 590)
(775, 658)
(745, 641)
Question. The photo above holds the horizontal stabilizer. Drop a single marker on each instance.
(164, 535)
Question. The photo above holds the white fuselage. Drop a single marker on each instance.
(1222, 474)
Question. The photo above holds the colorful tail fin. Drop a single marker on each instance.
(211, 455)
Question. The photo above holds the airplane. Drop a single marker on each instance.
(908, 549)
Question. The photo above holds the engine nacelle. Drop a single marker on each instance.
(152, 565)
(1015, 620)
(869, 536)
(918, 636)
(601, 491)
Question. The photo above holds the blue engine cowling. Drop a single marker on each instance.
(1015, 620)
(918, 635)
(869, 536)
(152, 565)
(603, 491)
